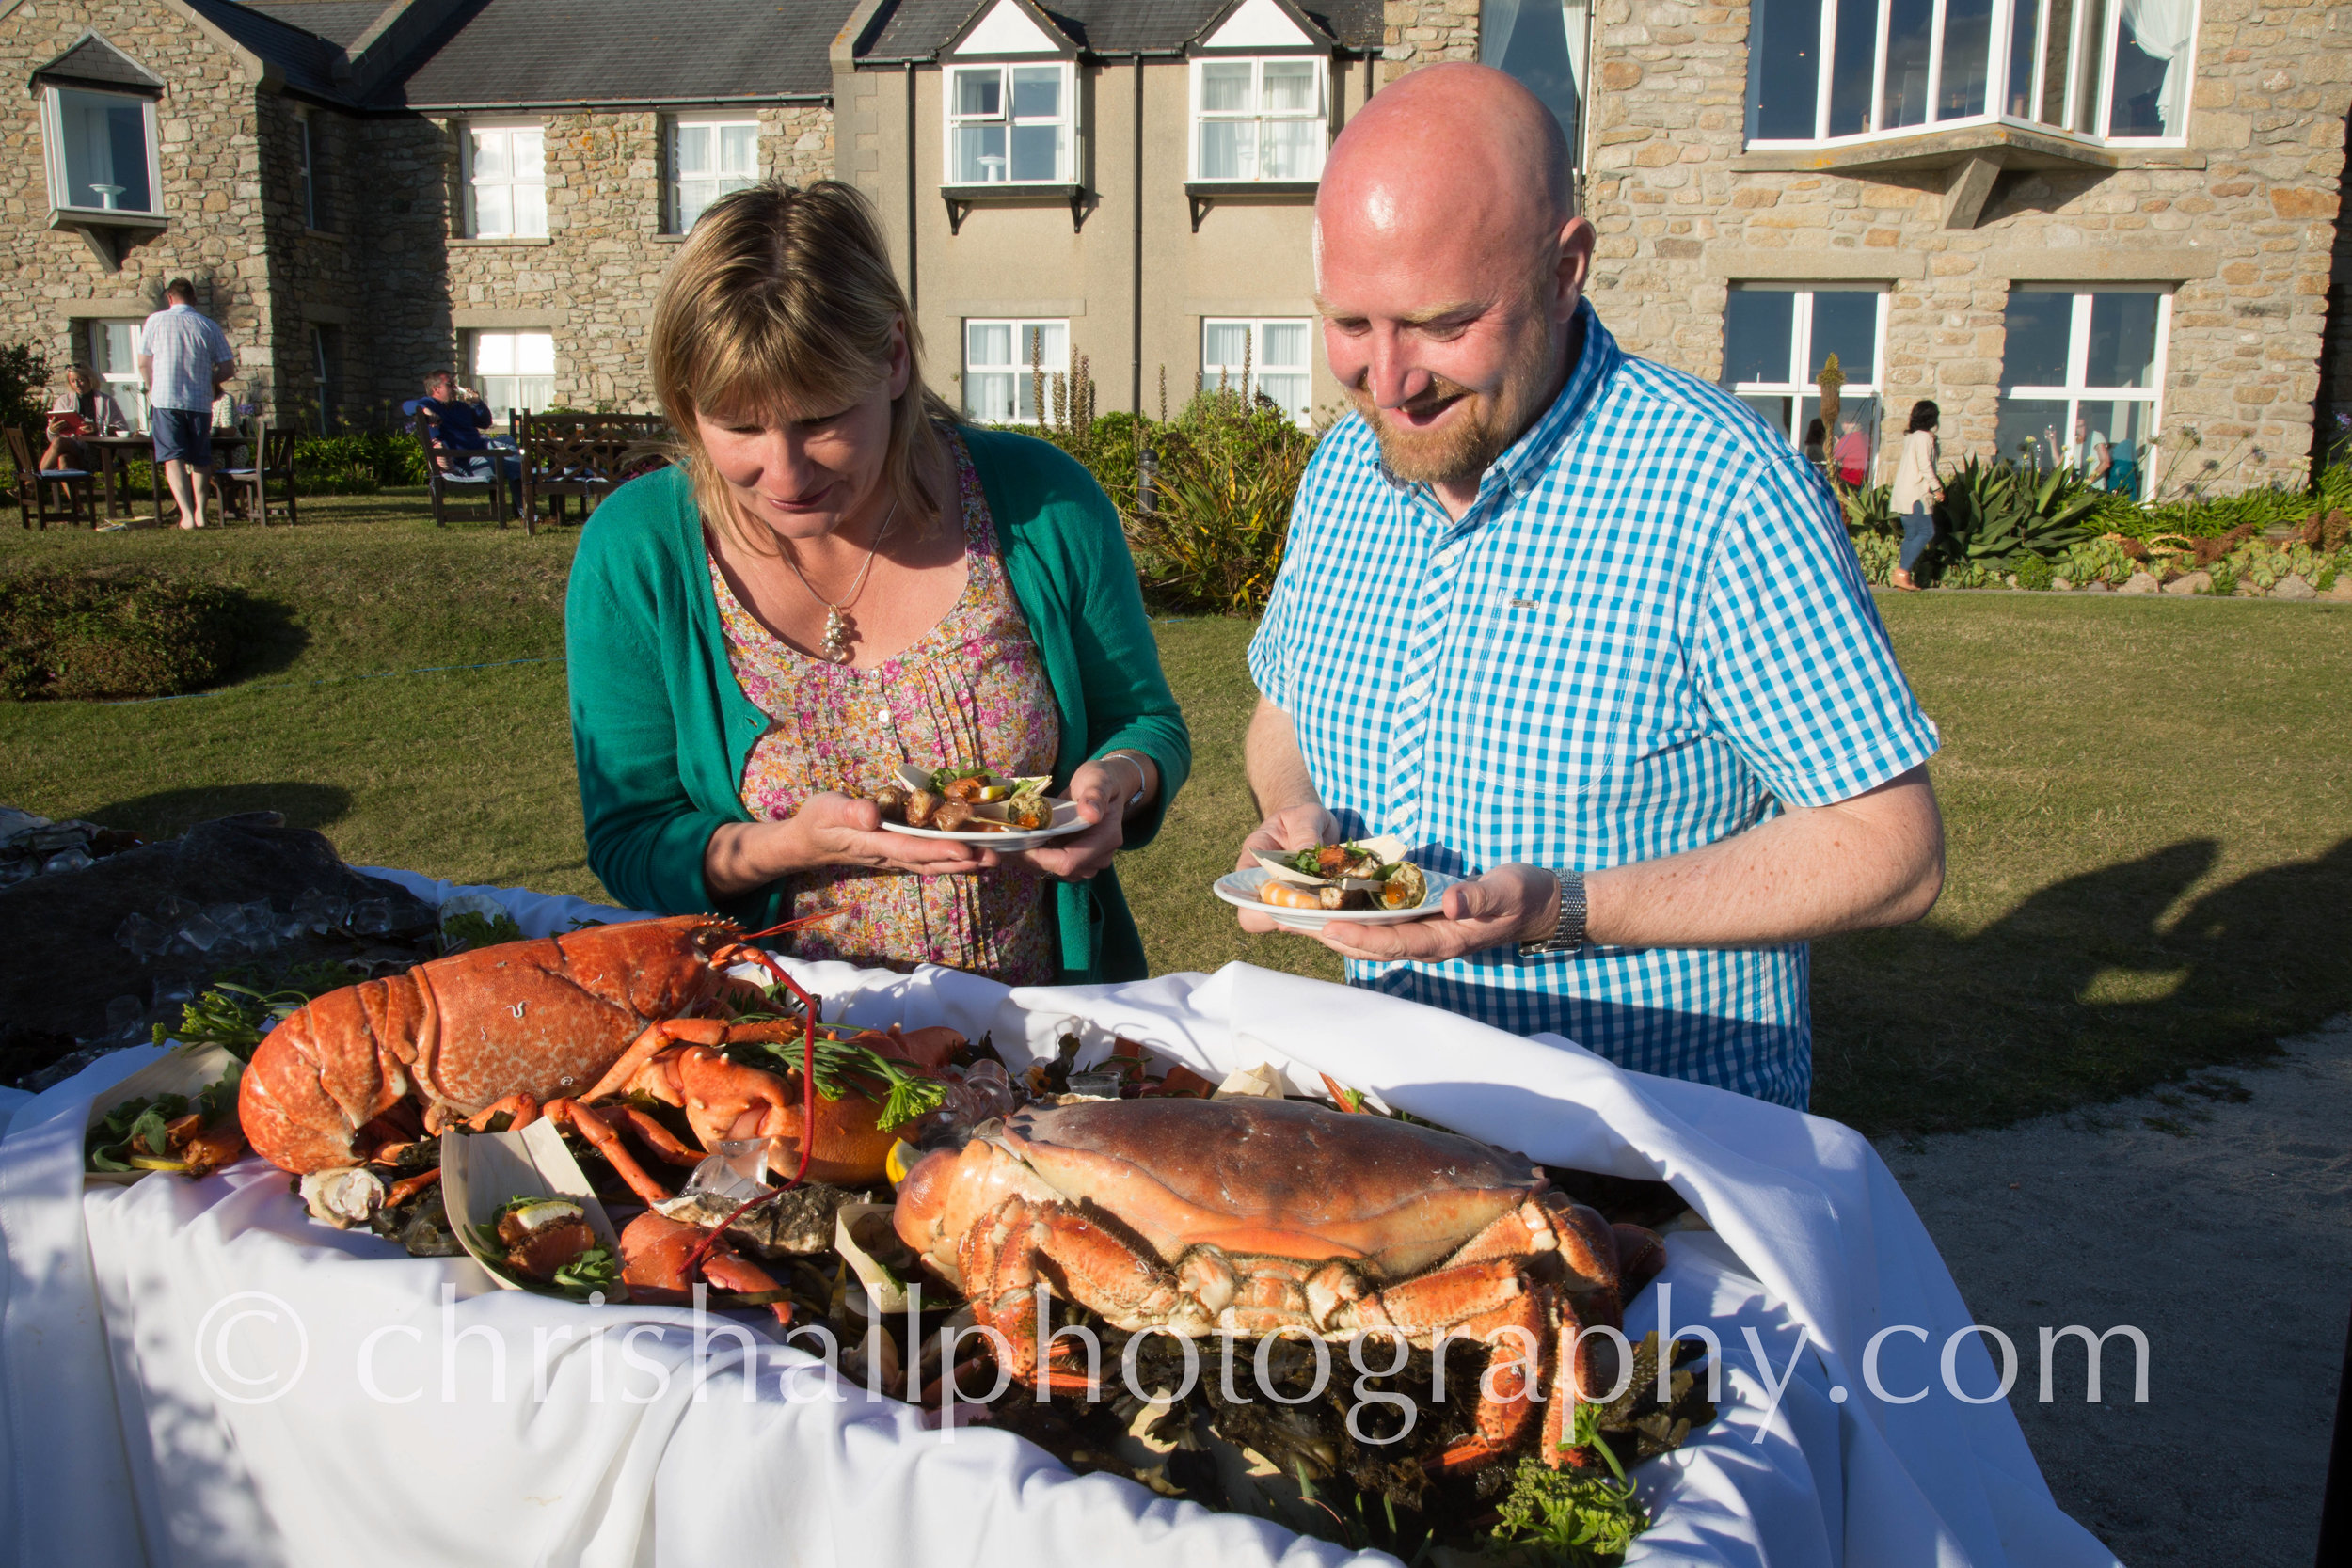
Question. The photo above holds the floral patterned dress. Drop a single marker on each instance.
(973, 688)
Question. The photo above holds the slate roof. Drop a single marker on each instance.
(340, 22)
(92, 60)
(303, 57)
(919, 29)
(525, 52)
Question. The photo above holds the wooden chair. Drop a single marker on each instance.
(444, 468)
(273, 458)
(36, 484)
(586, 455)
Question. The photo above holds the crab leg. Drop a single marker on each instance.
(659, 1037)
(999, 1260)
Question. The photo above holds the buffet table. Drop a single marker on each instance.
(196, 1373)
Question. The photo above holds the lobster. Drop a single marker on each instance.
(545, 1027)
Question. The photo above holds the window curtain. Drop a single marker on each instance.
(2161, 28)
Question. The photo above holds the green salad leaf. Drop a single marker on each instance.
(132, 1135)
(1574, 1519)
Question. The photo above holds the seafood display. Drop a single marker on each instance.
(965, 799)
(1370, 875)
(930, 1216)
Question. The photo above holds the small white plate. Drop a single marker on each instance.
(1066, 820)
(1240, 889)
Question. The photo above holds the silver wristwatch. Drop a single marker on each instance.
(1567, 932)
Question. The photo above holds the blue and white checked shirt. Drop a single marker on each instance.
(1648, 632)
(185, 344)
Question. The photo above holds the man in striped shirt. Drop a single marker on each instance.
(1577, 627)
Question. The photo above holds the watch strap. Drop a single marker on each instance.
(1568, 932)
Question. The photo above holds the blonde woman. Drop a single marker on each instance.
(87, 408)
(837, 578)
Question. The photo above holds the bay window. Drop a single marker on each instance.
(1269, 358)
(1546, 45)
(1257, 119)
(1010, 125)
(1776, 341)
(506, 182)
(2082, 381)
(515, 369)
(1002, 360)
(1826, 69)
(101, 151)
(709, 158)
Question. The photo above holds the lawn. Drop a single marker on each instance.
(2151, 839)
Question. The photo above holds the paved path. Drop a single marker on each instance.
(2221, 1226)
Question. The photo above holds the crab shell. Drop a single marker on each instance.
(1248, 1174)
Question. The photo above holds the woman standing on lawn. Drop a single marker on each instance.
(1916, 489)
(837, 578)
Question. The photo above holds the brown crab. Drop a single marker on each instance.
(1249, 1216)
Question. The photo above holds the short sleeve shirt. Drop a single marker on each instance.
(1648, 632)
(185, 344)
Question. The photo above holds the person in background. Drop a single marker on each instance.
(841, 579)
(184, 359)
(1573, 625)
(1816, 444)
(1917, 492)
(87, 408)
(459, 419)
(2088, 456)
(1852, 455)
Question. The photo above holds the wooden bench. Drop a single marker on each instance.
(445, 467)
(586, 455)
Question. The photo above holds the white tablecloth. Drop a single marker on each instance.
(194, 1374)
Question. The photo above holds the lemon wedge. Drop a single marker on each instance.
(901, 1157)
(989, 793)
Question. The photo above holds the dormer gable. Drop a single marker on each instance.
(1011, 29)
(94, 63)
(1261, 27)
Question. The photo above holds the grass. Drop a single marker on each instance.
(2150, 822)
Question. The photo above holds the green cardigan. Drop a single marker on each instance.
(661, 730)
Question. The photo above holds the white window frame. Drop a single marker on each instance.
(52, 144)
(1320, 115)
(124, 383)
(306, 146)
(468, 130)
(2076, 391)
(1212, 375)
(950, 121)
(1798, 389)
(675, 177)
(1018, 330)
(475, 377)
(1996, 77)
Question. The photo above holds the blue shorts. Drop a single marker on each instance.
(183, 435)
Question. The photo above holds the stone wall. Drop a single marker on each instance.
(51, 280)
(2247, 218)
(591, 282)
(1422, 32)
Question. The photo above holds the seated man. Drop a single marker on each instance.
(1575, 627)
(459, 419)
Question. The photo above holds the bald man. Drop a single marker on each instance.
(1580, 629)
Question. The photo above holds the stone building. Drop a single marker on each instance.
(364, 190)
(2117, 216)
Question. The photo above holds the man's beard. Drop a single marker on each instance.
(1481, 427)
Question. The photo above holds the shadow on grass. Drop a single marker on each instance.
(2085, 992)
(268, 638)
(168, 814)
